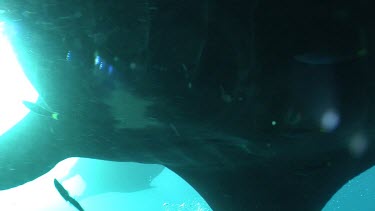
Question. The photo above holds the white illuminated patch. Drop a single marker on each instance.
(330, 120)
(14, 86)
(168, 192)
(75, 185)
(129, 110)
(41, 192)
(62, 169)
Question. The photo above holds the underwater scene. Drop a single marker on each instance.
(187, 105)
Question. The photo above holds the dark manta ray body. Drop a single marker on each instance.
(204, 88)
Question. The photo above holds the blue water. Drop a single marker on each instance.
(117, 188)
(357, 194)
(166, 192)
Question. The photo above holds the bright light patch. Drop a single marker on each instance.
(109, 190)
(69, 56)
(40, 193)
(14, 86)
(97, 60)
(357, 194)
(75, 186)
(330, 120)
(62, 169)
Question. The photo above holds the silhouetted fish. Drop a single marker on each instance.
(64, 193)
(40, 110)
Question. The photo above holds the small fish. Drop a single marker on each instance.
(41, 110)
(64, 193)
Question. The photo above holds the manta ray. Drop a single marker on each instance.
(205, 88)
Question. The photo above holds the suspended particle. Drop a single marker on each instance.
(69, 56)
(358, 145)
(133, 65)
(97, 60)
(101, 66)
(110, 69)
